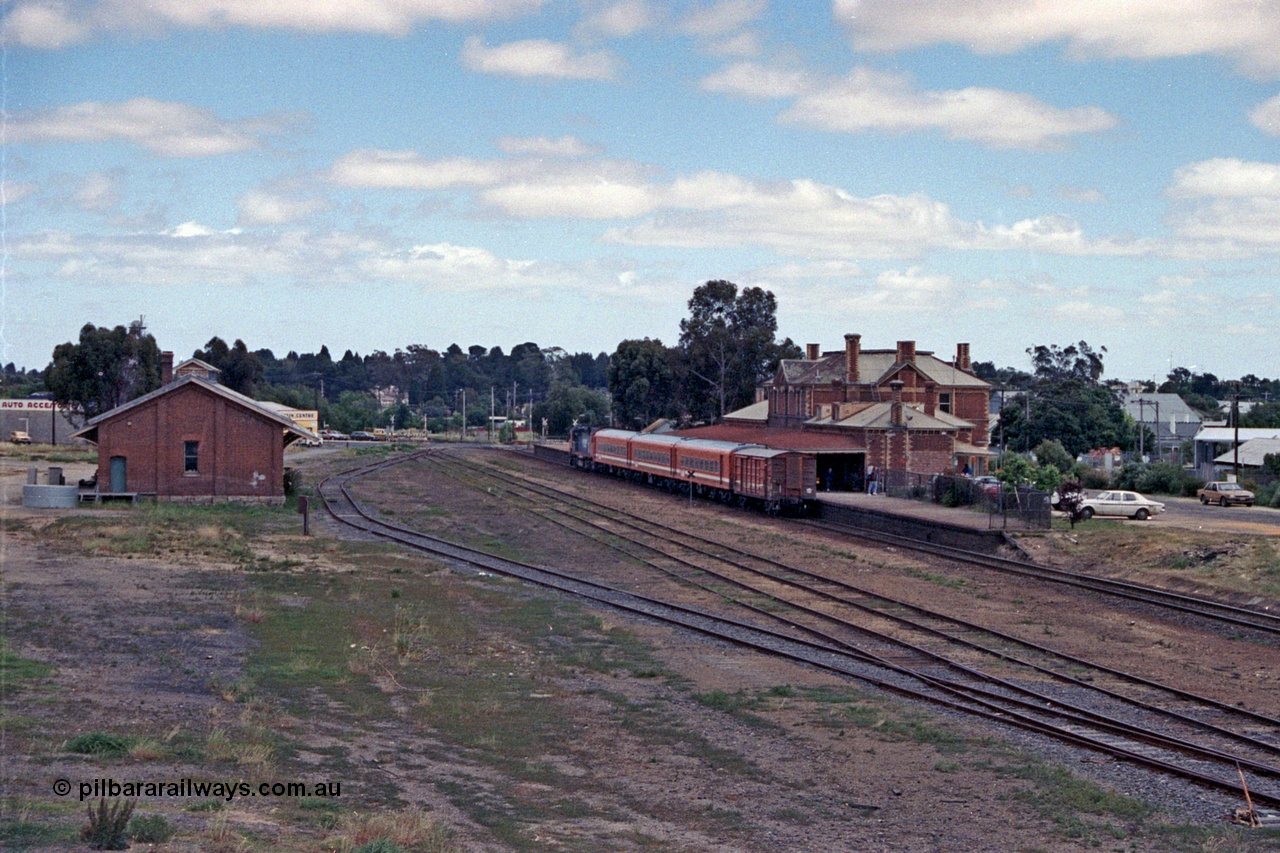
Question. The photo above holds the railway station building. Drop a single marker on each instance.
(899, 411)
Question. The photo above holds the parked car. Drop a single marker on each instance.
(333, 435)
(1121, 503)
(1225, 494)
(20, 437)
(361, 435)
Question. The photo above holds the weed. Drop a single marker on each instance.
(108, 826)
(103, 744)
(390, 831)
(146, 750)
(939, 580)
(151, 829)
(15, 670)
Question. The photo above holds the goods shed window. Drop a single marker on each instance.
(191, 457)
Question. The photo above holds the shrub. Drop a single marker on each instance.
(107, 828)
(1268, 494)
(100, 743)
(1161, 478)
(1093, 478)
(1051, 452)
(381, 845)
(151, 829)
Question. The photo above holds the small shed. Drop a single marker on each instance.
(193, 440)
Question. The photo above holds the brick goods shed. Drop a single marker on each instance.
(193, 440)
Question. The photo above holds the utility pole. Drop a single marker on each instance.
(1142, 427)
(1159, 447)
(1026, 436)
(1235, 420)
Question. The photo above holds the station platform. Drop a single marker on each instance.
(957, 527)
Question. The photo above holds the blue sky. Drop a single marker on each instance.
(370, 174)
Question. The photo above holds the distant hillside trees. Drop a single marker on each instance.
(19, 382)
(241, 369)
(430, 385)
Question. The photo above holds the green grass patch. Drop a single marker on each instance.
(939, 580)
(16, 671)
(101, 744)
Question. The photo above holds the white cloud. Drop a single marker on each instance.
(811, 271)
(1226, 177)
(752, 80)
(259, 207)
(868, 100)
(164, 127)
(1235, 222)
(724, 28)
(12, 192)
(372, 168)
(1088, 312)
(713, 209)
(1082, 195)
(912, 288)
(542, 146)
(98, 193)
(1247, 31)
(50, 24)
(448, 266)
(1229, 207)
(538, 58)
(620, 20)
(194, 254)
(1266, 116)
(583, 197)
(722, 18)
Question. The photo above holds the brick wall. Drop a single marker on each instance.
(239, 453)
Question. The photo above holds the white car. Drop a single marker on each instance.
(1127, 504)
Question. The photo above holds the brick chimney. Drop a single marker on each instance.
(812, 352)
(930, 398)
(906, 351)
(962, 356)
(852, 347)
(895, 408)
(166, 367)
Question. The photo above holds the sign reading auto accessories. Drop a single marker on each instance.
(29, 406)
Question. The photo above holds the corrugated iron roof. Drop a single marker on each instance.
(1252, 452)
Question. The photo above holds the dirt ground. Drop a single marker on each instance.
(515, 720)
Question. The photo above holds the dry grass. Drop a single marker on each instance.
(412, 829)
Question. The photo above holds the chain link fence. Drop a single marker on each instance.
(1005, 506)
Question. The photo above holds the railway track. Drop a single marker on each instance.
(824, 621)
(1240, 617)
